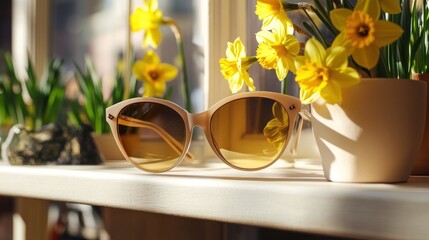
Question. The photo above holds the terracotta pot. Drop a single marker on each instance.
(107, 147)
(375, 134)
(421, 166)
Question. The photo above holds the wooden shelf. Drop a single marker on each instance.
(297, 199)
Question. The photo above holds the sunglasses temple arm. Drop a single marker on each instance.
(174, 144)
(303, 115)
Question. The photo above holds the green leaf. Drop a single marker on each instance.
(133, 93)
(315, 34)
(118, 89)
(16, 108)
(92, 89)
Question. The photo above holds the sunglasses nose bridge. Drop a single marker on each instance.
(199, 119)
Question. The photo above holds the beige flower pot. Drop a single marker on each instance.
(107, 147)
(375, 134)
(421, 167)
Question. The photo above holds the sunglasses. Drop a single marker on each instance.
(247, 131)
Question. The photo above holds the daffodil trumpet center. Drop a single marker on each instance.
(280, 49)
(313, 75)
(360, 29)
(154, 75)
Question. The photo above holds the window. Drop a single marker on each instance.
(72, 29)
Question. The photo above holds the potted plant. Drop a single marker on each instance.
(39, 136)
(368, 128)
(92, 110)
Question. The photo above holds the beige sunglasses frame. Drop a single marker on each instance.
(203, 119)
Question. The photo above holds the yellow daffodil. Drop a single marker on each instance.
(154, 74)
(390, 6)
(271, 12)
(363, 33)
(277, 128)
(149, 19)
(277, 50)
(234, 66)
(323, 73)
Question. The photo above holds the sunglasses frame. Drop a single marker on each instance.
(291, 104)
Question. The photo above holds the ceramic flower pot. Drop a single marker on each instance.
(421, 167)
(107, 147)
(375, 134)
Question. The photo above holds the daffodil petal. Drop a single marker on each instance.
(169, 72)
(267, 57)
(148, 90)
(331, 93)
(265, 36)
(280, 32)
(390, 6)
(238, 49)
(248, 81)
(304, 77)
(151, 4)
(152, 37)
(336, 57)
(235, 83)
(160, 88)
(228, 67)
(135, 20)
(289, 27)
(235, 49)
(272, 131)
(315, 51)
(137, 67)
(368, 6)
(307, 97)
(367, 57)
(293, 44)
(341, 41)
(386, 32)
(280, 113)
(290, 63)
(274, 21)
(281, 69)
(299, 62)
(339, 17)
(151, 58)
(345, 78)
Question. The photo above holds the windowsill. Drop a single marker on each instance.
(277, 197)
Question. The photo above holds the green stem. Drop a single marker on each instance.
(284, 86)
(185, 84)
(317, 31)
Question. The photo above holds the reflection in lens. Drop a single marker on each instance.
(242, 129)
(277, 128)
(152, 135)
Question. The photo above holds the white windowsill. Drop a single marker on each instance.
(278, 197)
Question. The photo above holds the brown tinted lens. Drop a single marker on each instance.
(250, 133)
(153, 135)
